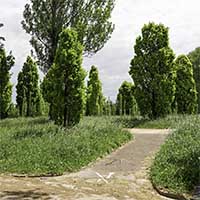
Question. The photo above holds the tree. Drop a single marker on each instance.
(153, 71)
(20, 98)
(194, 57)
(186, 94)
(126, 103)
(28, 91)
(64, 83)
(94, 104)
(109, 108)
(6, 63)
(45, 20)
(1, 38)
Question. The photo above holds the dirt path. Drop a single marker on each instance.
(120, 176)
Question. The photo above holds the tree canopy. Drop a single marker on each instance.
(186, 94)
(63, 87)
(45, 20)
(94, 104)
(1, 38)
(194, 57)
(6, 63)
(28, 91)
(153, 71)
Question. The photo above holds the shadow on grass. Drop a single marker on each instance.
(22, 195)
(20, 122)
(38, 121)
(131, 122)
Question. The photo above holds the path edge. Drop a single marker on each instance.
(169, 194)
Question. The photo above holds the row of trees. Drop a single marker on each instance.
(47, 22)
(162, 84)
(62, 31)
(63, 87)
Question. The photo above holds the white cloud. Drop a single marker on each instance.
(181, 16)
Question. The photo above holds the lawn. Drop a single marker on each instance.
(170, 121)
(35, 146)
(177, 165)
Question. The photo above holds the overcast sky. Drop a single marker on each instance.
(181, 16)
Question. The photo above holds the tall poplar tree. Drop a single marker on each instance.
(1, 38)
(63, 86)
(186, 94)
(6, 63)
(153, 71)
(20, 89)
(194, 57)
(94, 104)
(44, 21)
(28, 91)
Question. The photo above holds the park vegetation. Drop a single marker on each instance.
(164, 85)
(6, 63)
(95, 99)
(29, 98)
(176, 167)
(36, 146)
(65, 80)
(45, 20)
(126, 103)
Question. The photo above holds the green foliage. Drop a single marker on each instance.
(109, 108)
(186, 94)
(13, 111)
(126, 103)
(194, 57)
(94, 104)
(6, 62)
(177, 165)
(63, 87)
(153, 71)
(1, 38)
(29, 98)
(37, 146)
(44, 21)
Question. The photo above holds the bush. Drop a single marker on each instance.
(177, 164)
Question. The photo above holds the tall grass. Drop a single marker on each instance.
(37, 146)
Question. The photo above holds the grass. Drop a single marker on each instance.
(38, 147)
(177, 165)
(171, 121)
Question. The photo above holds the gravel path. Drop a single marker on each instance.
(121, 175)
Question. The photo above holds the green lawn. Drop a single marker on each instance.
(177, 164)
(38, 147)
(171, 121)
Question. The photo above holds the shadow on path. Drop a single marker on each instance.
(22, 195)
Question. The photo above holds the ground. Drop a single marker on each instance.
(123, 175)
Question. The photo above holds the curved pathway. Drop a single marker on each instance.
(122, 175)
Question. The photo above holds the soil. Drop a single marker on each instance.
(122, 175)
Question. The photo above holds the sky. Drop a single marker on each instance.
(129, 16)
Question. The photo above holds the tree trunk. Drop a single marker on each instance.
(66, 117)
(28, 105)
(154, 115)
(20, 110)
